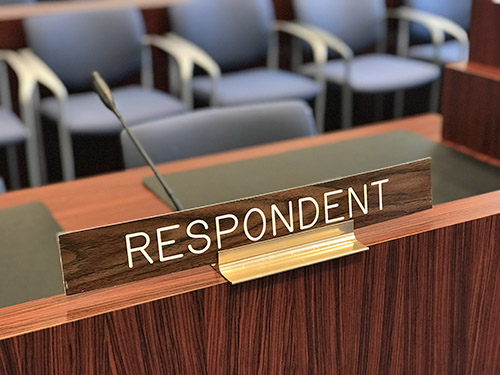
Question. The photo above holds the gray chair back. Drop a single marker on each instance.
(359, 23)
(75, 44)
(455, 10)
(3, 189)
(233, 32)
(218, 129)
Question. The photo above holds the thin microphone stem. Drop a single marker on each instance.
(106, 97)
(170, 193)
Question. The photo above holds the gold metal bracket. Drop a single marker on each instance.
(289, 252)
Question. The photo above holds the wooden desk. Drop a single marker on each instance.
(425, 298)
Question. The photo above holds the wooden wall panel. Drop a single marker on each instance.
(427, 303)
(469, 101)
(283, 9)
(470, 109)
(484, 33)
(11, 35)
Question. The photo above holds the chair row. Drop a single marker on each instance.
(224, 35)
(220, 36)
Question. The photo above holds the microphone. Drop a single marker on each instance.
(104, 92)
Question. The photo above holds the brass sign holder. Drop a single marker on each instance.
(289, 252)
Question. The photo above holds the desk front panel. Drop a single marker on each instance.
(426, 303)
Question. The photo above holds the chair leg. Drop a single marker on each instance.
(296, 59)
(435, 95)
(3, 188)
(32, 155)
(173, 77)
(42, 160)
(379, 107)
(147, 74)
(320, 110)
(346, 111)
(66, 150)
(34, 158)
(399, 103)
(187, 95)
(13, 167)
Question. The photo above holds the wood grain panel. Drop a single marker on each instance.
(484, 31)
(426, 303)
(283, 9)
(393, 3)
(470, 107)
(98, 257)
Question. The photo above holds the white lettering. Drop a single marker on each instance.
(275, 210)
(217, 227)
(301, 213)
(379, 183)
(245, 224)
(351, 194)
(142, 248)
(331, 206)
(161, 243)
(198, 235)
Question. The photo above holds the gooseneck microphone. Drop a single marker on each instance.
(104, 92)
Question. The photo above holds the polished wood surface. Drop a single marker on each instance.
(424, 302)
(417, 305)
(469, 104)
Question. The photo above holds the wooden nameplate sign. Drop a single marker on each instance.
(125, 252)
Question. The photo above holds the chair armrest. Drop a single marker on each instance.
(43, 74)
(26, 80)
(186, 55)
(171, 48)
(199, 56)
(318, 46)
(438, 26)
(332, 42)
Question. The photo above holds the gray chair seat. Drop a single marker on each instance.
(213, 130)
(88, 116)
(449, 52)
(12, 130)
(379, 73)
(256, 85)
